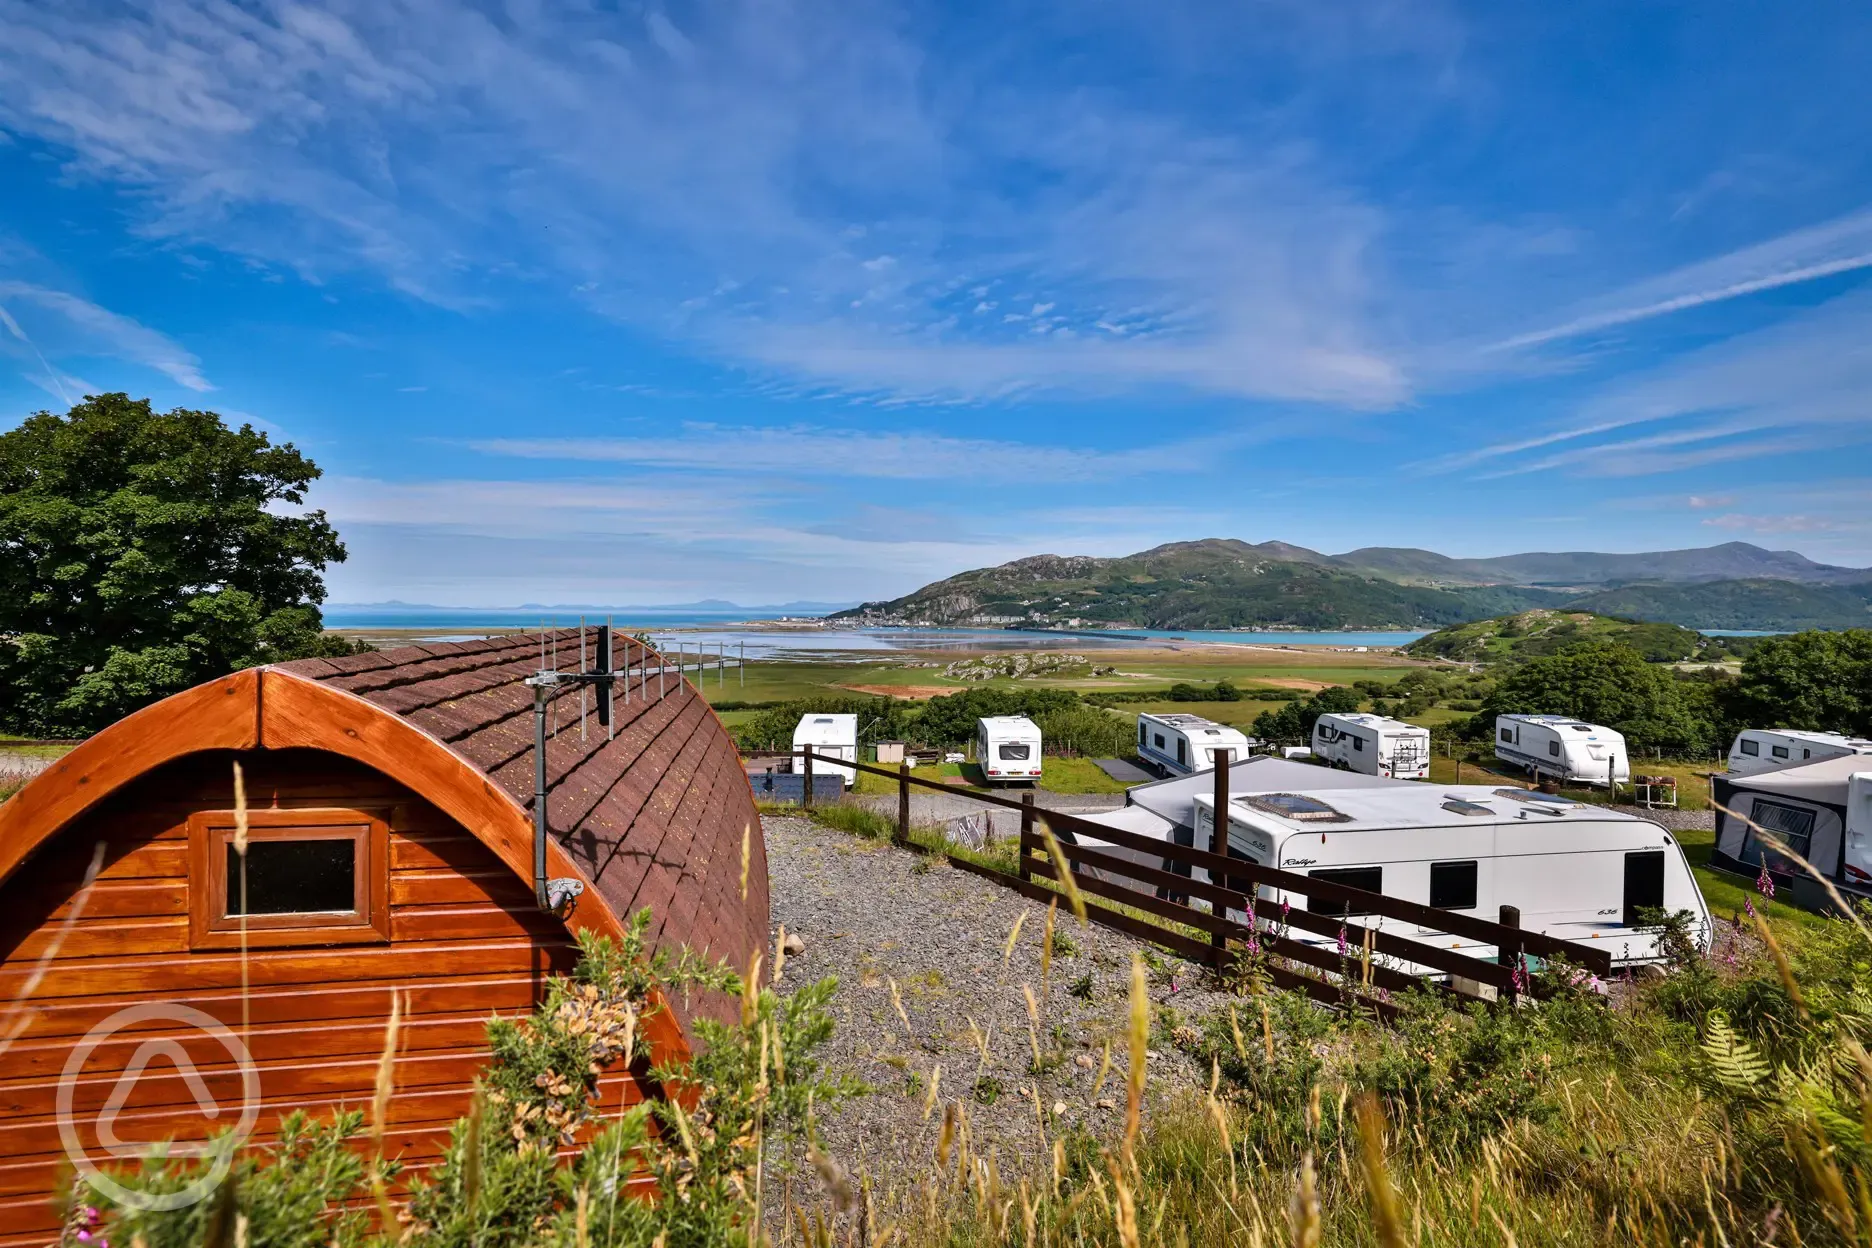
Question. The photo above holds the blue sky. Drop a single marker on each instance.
(766, 300)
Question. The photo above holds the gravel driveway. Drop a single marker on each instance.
(942, 808)
(876, 916)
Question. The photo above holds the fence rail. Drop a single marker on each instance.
(1232, 885)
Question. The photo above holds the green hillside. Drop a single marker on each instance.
(1530, 634)
(1222, 583)
(1764, 604)
(1214, 584)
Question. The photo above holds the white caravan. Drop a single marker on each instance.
(1007, 748)
(1164, 810)
(836, 735)
(1564, 749)
(1181, 744)
(1374, 744)
(1820, 810)
(1576, 872)
(1769, 749)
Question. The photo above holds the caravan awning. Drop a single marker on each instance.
(1824, 781)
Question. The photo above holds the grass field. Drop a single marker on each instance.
(1057, 775)
(918, 675)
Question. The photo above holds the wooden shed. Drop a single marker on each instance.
(392, 849)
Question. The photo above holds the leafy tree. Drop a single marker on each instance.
(951, 720)
(1815, 680)
(1086, 731)
(1608, 684)
(879, 719)
(1294, 722)
(141, 553)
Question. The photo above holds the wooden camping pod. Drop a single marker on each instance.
(413, 768)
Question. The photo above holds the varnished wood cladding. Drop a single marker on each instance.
(425, 756)
(463, 941)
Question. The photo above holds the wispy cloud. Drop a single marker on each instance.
(1842, 245)
(784, 184)
(1799, 386)
(68, 325)
(805, 451)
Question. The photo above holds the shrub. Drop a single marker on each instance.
(1086, 731)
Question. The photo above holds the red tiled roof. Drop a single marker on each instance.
(654, 812)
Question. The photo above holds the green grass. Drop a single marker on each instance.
(776, 681)
(1057, 775)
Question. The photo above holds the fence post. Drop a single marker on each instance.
(1218, 844)
(1027, 826)
(806, 796)
(1509, 952)
(903, 803)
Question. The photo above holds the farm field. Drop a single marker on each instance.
(922, 676)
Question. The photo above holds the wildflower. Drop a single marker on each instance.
(1749, 905)
(1520, 977)
(1764, 883)
(1344, 949)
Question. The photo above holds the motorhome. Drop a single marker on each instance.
(1007, 749)
(836, 735)
(1576, 872)
(1770, 749)
(1180, 744)
(1821, 811)
(1556, 747)
(1374, 744)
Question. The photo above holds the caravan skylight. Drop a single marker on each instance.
(1462, 806)
(1295, 806)
(1534, 795)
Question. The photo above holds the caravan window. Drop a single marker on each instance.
(1751, 748)
(1553, 748)
(1453, 885)
(1789, 824)
(1015, 753)
(1507, 734)
(1182, 750)
(1644, 885)
(1371, 879)
(1358, 743)
(1158, 740)
(1779, 751)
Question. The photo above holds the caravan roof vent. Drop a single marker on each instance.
(1295, 806)
(1551, 801)
(1463, 806)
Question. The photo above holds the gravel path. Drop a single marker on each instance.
(1675, 820)
(875, 916)
(942, 808)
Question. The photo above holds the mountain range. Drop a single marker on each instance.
(1221, 583)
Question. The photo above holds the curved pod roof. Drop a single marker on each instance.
(658, 813)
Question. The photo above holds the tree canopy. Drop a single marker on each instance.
(144, 552)
(1814, 680)
(1610, 684)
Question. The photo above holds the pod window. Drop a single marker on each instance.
(309, 877)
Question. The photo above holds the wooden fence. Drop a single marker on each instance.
(1231, 884)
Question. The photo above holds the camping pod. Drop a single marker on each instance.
(391, 849)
